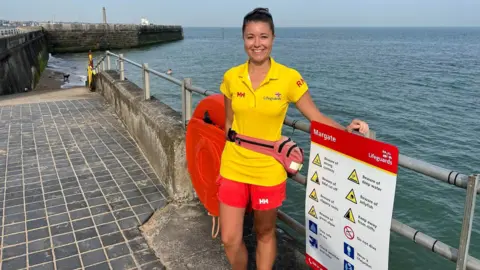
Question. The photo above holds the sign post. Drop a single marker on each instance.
(349, 200)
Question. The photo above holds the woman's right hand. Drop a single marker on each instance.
(359, 125)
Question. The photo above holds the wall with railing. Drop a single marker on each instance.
(459, 180)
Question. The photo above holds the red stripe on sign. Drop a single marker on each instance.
(378, 154)
(313, 263)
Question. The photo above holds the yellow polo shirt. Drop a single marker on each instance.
(258, 114)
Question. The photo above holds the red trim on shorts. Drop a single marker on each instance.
(239, 194)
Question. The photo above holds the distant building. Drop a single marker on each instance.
(144, 21)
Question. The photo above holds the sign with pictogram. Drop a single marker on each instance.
(350, 197)
(317, 161)
(349, 233)
(313, 195)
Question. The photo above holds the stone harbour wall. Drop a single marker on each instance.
(23, 57)
(69, 38)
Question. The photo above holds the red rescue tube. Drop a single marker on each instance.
(205, 140)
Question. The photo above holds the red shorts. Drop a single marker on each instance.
(238, 194)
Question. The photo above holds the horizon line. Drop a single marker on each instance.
(349, 26)
(276, 26)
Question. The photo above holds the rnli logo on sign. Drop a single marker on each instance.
(276, 96)
(241, 94)
(385, 157)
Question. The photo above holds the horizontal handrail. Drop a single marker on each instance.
(132, 62)
(152, 71)
(448, 176)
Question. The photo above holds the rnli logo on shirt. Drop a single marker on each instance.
(300, 82)
(241, 94)
(276, 96)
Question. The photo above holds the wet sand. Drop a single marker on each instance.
(49, 88)
(50, 80)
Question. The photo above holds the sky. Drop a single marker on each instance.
(222, 13)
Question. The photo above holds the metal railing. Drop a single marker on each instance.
(469, 182)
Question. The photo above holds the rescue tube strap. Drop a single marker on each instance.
(214, 235)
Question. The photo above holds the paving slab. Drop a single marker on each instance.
(74, 187)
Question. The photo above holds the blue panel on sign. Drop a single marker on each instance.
(313, 242)
(348, 250)
(348, 266)
(312, 226)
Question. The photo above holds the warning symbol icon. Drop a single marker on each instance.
(349, 215)
(354, 177)
(317, 161)
(313, 195)
(351, 196)
(312, 212)
(315, 178)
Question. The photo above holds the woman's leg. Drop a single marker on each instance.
(231, 226)
(265, 228)
(233, 197)
(265, 202)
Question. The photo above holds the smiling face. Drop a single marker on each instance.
(258, 41)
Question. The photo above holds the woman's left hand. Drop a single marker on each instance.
(359, 125)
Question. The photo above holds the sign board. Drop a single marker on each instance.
(349, 200)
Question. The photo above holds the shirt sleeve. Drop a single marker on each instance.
(297, 86)
(225, 86)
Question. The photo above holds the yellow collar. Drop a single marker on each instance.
(272, 72)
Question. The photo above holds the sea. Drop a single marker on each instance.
(418, 88)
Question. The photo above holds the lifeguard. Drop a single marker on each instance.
(257, 94)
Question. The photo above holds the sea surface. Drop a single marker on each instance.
(418, 88)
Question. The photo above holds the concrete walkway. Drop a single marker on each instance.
(74, 186)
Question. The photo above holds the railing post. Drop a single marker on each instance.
(469, 211)
(103, 64)
(371, 134)
(122, 71)
(146, 81)
(184, 102)
(109, 66)
(188, 100)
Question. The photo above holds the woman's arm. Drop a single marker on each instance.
(308, 108)
(228, 114)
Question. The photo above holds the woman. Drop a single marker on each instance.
(257, 94)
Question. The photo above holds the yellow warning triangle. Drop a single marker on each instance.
(317, 161)
(354, 177)
(312, 212)
(349, 215)
(313, 195)
(315, 178)
(351, 196)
